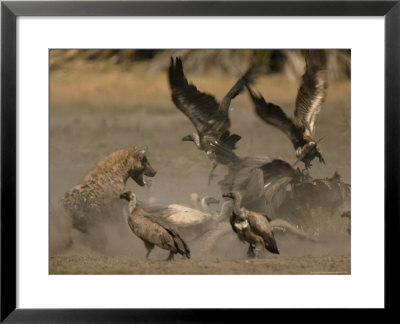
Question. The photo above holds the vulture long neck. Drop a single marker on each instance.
(132, 205)
(228, 207)
(204, 205)
(196, 141)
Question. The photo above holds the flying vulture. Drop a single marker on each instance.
(209, 117)
(301, 128)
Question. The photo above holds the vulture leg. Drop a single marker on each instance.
(170, 256)
(250, 253)
(149, 248)
(320, 158)
(210, 177)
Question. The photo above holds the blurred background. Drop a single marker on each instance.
(104, 100)
(230, 62)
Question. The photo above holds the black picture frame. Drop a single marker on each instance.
(390, 10)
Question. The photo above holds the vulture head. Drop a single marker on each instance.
(192, 138)
(236, 197)
(240, 222)
(129, 196)
(188, 138)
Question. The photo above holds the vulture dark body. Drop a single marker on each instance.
(210, 118)
(252, 177)
(276, 188)
(326, 193)
(292, 196)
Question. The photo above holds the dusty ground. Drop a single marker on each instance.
(94, 111)
(101, 264)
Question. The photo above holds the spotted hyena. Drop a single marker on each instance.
(93, 202)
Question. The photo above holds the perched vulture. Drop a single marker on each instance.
(154, 230)
(209, 117)
(311, 95)
(209, 239)
(250, 227)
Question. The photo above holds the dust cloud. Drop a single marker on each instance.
(82, 132)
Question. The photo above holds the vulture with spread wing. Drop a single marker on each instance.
(210, 118)
(311, 95)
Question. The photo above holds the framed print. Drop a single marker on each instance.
(100, 101)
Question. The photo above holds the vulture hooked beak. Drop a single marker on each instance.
(126, 196)
(187, 138)
(228, 195)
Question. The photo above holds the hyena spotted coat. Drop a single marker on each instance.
(92, 201)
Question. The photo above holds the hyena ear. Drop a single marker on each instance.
(140, 154)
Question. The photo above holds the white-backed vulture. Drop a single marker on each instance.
(210, 238)
(189, 221)
(250, 227)
(153, 230)
(311, 95)
(210, 118)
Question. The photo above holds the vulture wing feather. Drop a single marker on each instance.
(275, 116)
(179, 243)
(238, 87)
(312, 91)
(259, 225)
(199, 107)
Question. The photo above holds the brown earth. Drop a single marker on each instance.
(96, 110)
(101, 264)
